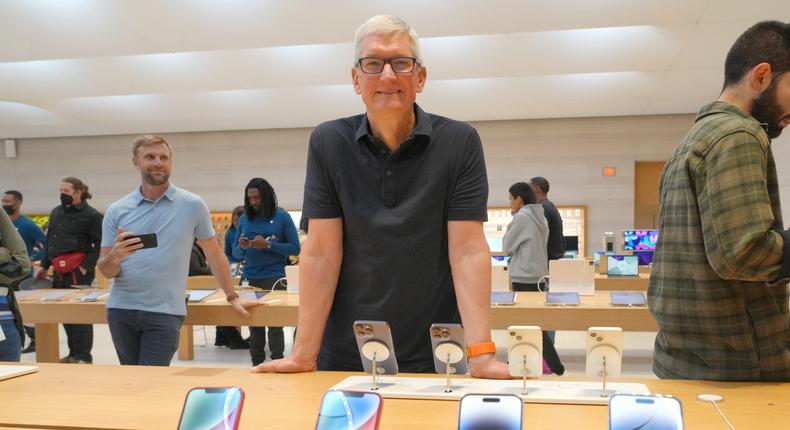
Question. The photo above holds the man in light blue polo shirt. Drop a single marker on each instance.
(146, 305)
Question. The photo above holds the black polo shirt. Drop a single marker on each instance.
(395, 208)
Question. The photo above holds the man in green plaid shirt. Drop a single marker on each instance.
(718, 287)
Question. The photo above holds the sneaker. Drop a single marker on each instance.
(30, 348)
(546, 368)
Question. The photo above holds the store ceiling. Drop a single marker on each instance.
(112, 67)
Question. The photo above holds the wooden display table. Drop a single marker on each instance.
(596, 310)
(70, 396)
(214, 311)
(605, 283)
(529, 310)
(501, 282)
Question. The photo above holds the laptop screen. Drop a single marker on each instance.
(622, 265)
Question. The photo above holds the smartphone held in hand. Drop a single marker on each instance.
(148, 240)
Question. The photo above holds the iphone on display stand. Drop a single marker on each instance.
(604, 354)
(212, 407)
(628, 411)
(448, 340)
(490, 412)
(525, 353)
(349, 410)
(374, 341)
(449, 351)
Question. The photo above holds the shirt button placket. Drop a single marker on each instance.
(389, 185)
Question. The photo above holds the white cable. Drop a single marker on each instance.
(726, 421)
(715, 398)
(280, 281)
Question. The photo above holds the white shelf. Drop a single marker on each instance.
(566, 392)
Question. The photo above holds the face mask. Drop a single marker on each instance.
(66, 199)
(8, 209)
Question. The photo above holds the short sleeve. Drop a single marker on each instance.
(203, 227)
(469, 196)
(320, 194)
(109, 228)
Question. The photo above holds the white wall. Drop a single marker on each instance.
(570, 153)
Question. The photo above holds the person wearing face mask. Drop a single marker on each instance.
(267, 236)
(718, 288)
(33, 237)
(72, 250)
(31, 233)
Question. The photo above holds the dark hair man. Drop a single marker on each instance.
(718, 288)
(31, 233)
(72, 250)
(556, 245)
(525, 241)
(267, 237)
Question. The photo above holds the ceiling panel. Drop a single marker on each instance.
(83, 67)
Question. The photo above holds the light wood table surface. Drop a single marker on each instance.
(595, 310)
(606, 283)
(529, 309)
(68, 396)
(213, 311)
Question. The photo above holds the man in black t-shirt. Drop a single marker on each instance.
(396, 200)
(556, 245)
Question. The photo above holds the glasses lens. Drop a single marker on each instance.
(371, 65)
(376, 65)
(402, 64)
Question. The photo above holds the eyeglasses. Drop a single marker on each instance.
(375, 65)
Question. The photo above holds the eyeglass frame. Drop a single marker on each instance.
(389, 61)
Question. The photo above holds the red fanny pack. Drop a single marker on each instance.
(68, 263)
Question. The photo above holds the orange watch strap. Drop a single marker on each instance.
(480, 349)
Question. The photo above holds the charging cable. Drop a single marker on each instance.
(281, 281)
(714, 399)
(542, 279)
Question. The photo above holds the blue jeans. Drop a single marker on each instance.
(144, 338)
(11, 346)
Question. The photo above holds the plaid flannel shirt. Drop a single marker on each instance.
(718, 285)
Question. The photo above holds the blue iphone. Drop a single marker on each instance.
(349, 410)
(628, 412)
(212, 408)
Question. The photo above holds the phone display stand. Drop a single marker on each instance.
(601, 363)
(540, 391)
(450, 353)
(528, 355)
(375, 351)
